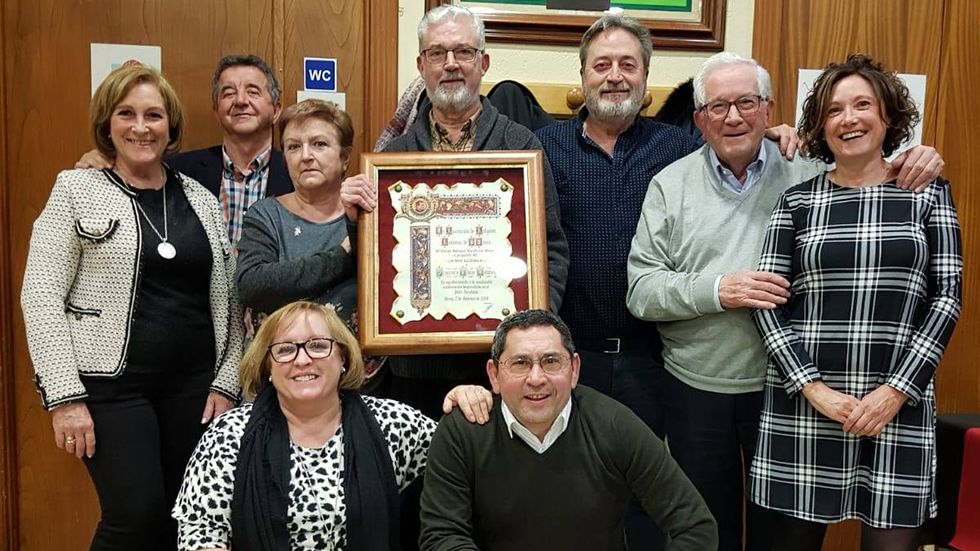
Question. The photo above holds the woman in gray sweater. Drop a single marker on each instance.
(296, 246)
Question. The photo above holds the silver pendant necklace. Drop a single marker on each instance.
(164, 249)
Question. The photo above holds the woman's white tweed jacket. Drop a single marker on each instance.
(82, 278)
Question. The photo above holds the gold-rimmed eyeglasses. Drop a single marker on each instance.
(522, 365)
(438, 56)
(316, 348)
(746, 105)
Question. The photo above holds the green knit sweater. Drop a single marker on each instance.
(692, 230)
(486, 490)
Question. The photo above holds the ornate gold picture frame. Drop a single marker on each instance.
(456, 243)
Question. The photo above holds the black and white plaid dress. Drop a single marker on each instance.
(876, 280)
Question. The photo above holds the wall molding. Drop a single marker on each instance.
(9, 528)
(381, 67)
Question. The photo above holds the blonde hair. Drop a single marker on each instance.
(114, 89)
(256, 366)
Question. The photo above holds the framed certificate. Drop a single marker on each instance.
(456, 244)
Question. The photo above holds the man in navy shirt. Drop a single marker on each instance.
(603, 160)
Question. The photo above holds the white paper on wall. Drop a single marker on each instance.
(106, 58)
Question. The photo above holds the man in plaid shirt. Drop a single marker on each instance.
(244, 168)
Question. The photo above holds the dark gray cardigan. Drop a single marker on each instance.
(494, 131)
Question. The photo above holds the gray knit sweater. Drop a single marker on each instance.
(283, 257)
(692, 230)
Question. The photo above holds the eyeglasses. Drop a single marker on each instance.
(522, 365)
(438, 56)
(316, 348)
(746, 105)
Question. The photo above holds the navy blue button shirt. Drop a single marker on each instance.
(600, 199)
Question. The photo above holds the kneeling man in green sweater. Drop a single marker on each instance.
(556, 465)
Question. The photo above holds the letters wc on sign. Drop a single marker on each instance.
(320, 73)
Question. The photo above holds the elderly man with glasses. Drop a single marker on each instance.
(556, 465)
(452, 62)
(691, 270)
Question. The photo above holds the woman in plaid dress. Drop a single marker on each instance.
(848, 423)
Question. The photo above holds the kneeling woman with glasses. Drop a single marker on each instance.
(311, 464)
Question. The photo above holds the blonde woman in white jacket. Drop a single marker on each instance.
(132, 320)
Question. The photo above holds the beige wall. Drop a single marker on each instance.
(560, 63)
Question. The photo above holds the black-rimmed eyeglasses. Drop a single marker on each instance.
(438, 56)
(316, 348)
(746, 105)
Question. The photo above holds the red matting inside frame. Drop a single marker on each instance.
(386, 242)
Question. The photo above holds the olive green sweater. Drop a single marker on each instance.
(486, 490)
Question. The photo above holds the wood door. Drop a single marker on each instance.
(48, 499)
(359, 34)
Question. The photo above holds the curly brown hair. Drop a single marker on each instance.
(899, 111)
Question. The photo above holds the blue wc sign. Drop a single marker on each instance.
(320, 73)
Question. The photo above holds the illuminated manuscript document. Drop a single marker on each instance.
(453, 253)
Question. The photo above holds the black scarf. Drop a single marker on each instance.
(261, 496)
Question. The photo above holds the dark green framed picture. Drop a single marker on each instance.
(674, 24)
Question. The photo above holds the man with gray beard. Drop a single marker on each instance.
(603, 160)
(452, 62)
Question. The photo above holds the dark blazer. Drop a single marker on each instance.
(205, 165)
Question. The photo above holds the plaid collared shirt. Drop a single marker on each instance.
(240, 190)
(440, 136)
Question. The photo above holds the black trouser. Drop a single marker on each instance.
(425, 395)
(146, 427)
(794, 534)
(631, 372)
(712, 436)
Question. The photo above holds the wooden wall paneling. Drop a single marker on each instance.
(794, 34)
(958, 378)
(276, 61)
(198, 35)
(313, 28)
(8, 457)
(46, 54)
(381, 65)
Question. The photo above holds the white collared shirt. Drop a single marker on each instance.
(557, 428)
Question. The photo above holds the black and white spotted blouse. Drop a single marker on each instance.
(316, 496)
